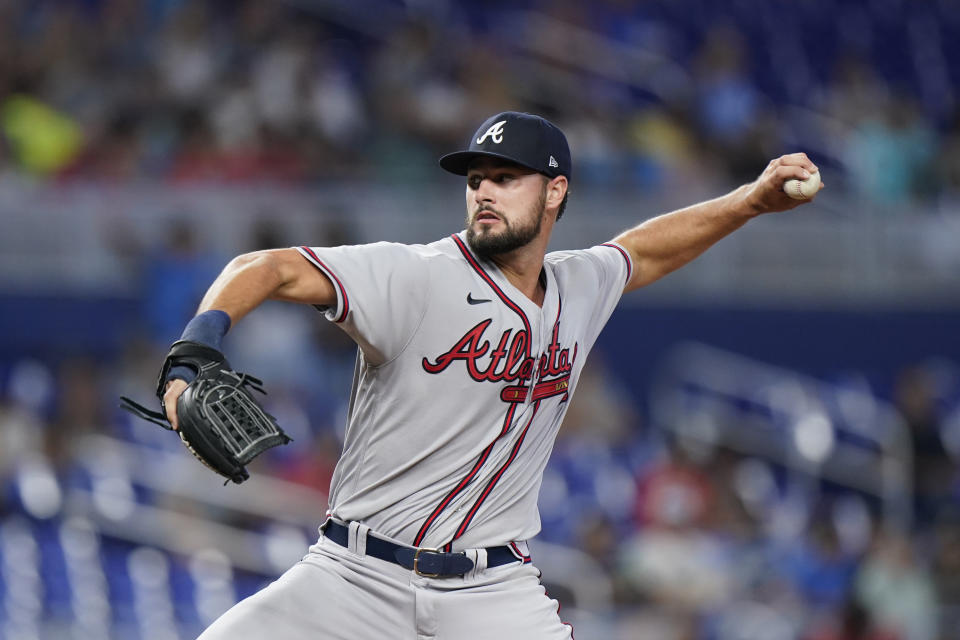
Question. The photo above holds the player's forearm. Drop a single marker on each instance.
(669, 241)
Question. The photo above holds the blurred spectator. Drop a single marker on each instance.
(188, 59)
(854, 623)
(675, 558)
(604, 411)
(948, 160)
(667, 154)
(680, 568)
(915, 397)
(946, 569)
(176, 274)
(81, 410)
(730, 111)
(890, 153)
(277, 77)
(337, 105)
(855, 89)
(598, 538)
(42, 140)
(897, 590)
(312, 463)
(819, 567)
(23, 407)
(676, 493)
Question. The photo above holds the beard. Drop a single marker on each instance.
(487, 244)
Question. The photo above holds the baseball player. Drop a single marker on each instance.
(469, 350)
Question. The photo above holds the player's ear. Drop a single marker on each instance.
(556, 190)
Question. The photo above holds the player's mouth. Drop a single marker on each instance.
(485, 216)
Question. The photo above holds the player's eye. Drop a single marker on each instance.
(474, 181)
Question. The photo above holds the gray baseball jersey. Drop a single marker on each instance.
(460, 386)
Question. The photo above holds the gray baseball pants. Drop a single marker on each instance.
(341, 593)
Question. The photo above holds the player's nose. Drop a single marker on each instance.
(484, 191)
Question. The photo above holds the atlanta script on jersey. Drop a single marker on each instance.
(460, 385)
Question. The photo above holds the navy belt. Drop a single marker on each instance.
(425, 562)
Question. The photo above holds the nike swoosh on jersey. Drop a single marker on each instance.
(472, 300)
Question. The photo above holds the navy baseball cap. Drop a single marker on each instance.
(523, 138)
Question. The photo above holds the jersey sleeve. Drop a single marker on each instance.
(381, 289)
(601, 271)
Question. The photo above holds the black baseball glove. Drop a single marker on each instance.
(220, 422)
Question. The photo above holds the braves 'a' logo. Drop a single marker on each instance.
(495, 133)
(508, 361)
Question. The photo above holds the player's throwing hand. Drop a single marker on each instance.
(767, 194)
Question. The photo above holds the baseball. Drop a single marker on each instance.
(803, 189)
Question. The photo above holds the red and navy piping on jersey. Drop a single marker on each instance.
(543, 389)
(336, 282)
(555, 362)
(511, 410)
(493, 285)
(493, 481)
(466, 480)
(515, 550)
(625, 255)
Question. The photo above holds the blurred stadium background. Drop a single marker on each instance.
(765, 444)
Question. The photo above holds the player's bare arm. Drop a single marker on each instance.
(246, 282)
(667, 242)
(278, 274)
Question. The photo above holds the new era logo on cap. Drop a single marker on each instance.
(523, 138)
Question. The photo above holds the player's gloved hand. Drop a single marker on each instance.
(216, 416)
